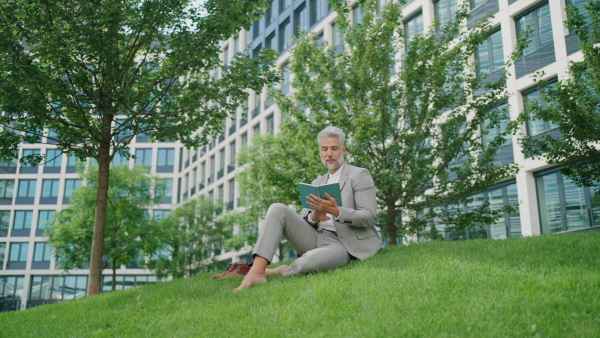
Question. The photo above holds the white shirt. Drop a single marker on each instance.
(331, 178)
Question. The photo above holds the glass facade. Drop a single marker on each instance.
(445, 11)
(564, 206)
(490, 55)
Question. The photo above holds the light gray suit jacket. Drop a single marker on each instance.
(356, 225)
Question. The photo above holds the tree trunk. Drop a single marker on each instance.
(95, 276)
(114, 275)
(390, 225)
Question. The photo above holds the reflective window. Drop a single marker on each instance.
(42, 255)
(2, 255)
(23, 219)
(53, 158)
(11, 290)
(4, 222)
(539, 21)
(413, 27)
(564, 206)
(70, 186)
(490, 55)
(166, 160)
(27, 188)
(126, 282)
(57, 288)
(7, 188)
(445, 12)
(160, 214)
(285, 36)
(50, 188)
(17, 256)
(143, 157)
(45, 220)
(536, 126)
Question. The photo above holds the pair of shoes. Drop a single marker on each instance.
(233, 270)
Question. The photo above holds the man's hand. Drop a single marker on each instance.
(323, 206)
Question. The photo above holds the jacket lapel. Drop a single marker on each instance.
(344, 175)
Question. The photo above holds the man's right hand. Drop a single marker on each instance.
(319, 216)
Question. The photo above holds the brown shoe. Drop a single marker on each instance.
(233, 270)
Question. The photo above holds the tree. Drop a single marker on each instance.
(417, 126)
(91, 75)
(573, 104)
(127, 223)
(187, 237)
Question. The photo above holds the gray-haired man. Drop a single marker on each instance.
(327, 236)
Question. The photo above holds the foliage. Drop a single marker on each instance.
(574, 105)
(415, 123)
(536, 286)
(187, 238)
(91, 75)
(127, 224)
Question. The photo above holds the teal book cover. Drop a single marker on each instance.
(332, 189)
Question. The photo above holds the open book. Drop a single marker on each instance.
(332, 189)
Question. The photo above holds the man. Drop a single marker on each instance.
(327, 235)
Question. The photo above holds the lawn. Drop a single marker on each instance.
(547, 286)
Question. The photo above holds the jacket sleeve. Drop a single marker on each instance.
(364, 213)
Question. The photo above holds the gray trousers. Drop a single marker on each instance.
(320, 250)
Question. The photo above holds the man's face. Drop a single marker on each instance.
(332, 153)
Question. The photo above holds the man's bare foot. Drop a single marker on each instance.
(277, 271)
(256, 275)
(250, 280)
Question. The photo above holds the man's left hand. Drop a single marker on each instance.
(327, 205)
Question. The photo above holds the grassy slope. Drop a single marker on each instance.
(542, 286)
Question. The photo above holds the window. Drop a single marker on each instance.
(22, 223)
(70, 186)
(338, 39)
(477, 3)
(56, 288)
(166, 160)
(256, 51)
(45, 220)
(270, 124)
(221, 163)
(283, 4)
(71, 161)
(563, 205)
(580, 4)
(7, 188)
(143, 157)
(160, 214)
(357, 15)
(164, 188)
(539, 21)
(232, 153)
(211, 169)
(26, 192)
(413, 27)
(119, 159)
(202, 176)
(535, 126)
(18, 256)
(269, 14)
(490, 55)
(299, 19)
(53, 161)
(27, 168)
(315, 12)
(285, 87)
(4, 222)
(42, 255)
(11, 289)
(285, 36)
(231, 199)
(49, 191)
(8, 166)
(256, 28)
(256, 130)
(445, 12)
(504, 154)
(2, 255)
(269, 40)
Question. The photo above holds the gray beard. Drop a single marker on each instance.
(335, 165)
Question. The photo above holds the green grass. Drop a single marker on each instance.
(547, 286)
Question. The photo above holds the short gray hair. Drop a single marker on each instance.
(331, 132)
